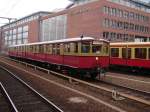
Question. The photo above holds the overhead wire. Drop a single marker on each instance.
(7, 2)
(13, 6)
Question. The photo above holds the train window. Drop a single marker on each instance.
(149, 52)
(41, 49)
(48, 49)
(19, 48)
(15, 49)
(30, 48)
(105, 49)
(26, 48)
(67, 48)
(35, 49)
(114, 52)
(57, 49)
(53, 49)
(124, 54)
(140, 53)
(96, 48)
(22, 48)
(85, 47)
(129, 53)
(76, 47)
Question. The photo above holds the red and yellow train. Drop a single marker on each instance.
(85, 56)
(77, 55)
(134, 55)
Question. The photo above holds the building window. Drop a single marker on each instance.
(20, 30)
(25, 28)
(106, 23)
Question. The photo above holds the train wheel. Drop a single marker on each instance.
(93, 76)
(72, 72)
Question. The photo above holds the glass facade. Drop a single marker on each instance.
(132, 4)
(16, 36)
(54, 28)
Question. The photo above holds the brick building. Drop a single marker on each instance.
(114, 20)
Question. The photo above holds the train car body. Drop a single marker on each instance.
(131, 54)
(79, 55)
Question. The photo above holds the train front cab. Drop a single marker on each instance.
(87, 56)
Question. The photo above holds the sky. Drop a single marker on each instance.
(21, 8)
(146, 0)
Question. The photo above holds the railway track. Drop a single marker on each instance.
(6, 104)
(127, 88)
(128, 83)
(125, 94)
(126, 91)
(125, 77)
(23, 96)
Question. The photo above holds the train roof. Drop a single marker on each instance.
(130, 43)
(62, 41)
(58, 41)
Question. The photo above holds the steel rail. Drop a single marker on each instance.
(135, 80)
(8, 97)
(130, 88)
(57, 109)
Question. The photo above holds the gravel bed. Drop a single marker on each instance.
(128, 83)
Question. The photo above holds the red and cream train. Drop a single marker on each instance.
(77, 55)
(85, 55)
(134, 55)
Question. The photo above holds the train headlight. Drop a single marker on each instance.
(97, 58)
